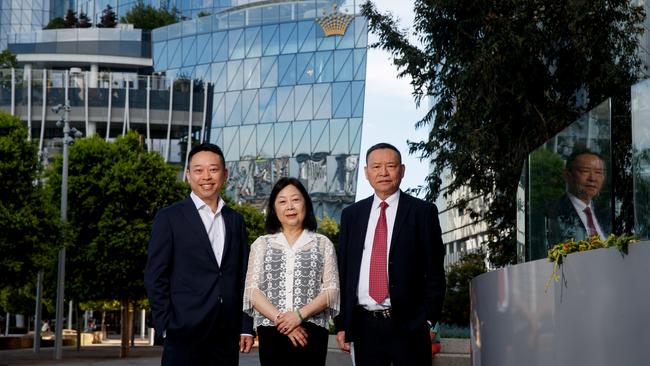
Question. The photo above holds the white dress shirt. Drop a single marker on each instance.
(213, 223)
(364, 275)
(580, 206)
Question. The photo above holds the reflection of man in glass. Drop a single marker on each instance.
(575, 215)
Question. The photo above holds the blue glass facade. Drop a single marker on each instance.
(287, 101)
(22, 16)
(188, 9)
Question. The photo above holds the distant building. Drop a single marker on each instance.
(106, 74)
(278, 85)
(460, 233)
(288, 99)
(17, 16)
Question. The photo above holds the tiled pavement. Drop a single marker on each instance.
(107, 354)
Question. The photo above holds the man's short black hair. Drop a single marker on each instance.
(581, 151)
(383, 145)
(206, 146)
(272, 224)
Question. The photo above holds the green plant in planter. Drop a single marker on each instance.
(557, 253)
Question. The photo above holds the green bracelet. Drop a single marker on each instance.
(300, 315)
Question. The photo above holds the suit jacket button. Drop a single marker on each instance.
(220, 300)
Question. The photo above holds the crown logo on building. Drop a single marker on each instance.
(334, 23)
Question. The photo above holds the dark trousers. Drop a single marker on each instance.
(378, 342)
(220, 349)
(276, 349)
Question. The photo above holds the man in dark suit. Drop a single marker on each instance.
(391, 270)
(196, 267)
(575, 215)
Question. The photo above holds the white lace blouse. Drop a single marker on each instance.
(292, 276)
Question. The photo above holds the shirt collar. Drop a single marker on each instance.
(198, 202)
(305, 237)
(390, 200)
(577, 202)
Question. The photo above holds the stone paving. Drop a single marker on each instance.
(455, 353)
(107, 354)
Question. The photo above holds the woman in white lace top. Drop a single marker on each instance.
(292, 284)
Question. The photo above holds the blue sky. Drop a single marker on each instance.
(389, 112)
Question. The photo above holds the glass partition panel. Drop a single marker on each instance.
(641, 157)
(569, 184)
(521, 215)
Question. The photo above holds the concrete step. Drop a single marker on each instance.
(451, 359)
(455, 345)
(454, 352)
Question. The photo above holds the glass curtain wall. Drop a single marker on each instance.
(188, 9)
(287, 99)
(641, 157)
(22, 16)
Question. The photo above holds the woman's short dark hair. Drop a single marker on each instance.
(272, 224)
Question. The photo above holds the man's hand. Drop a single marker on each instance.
(298, 337)
(245, 343)
(287, 322)
(340, 339)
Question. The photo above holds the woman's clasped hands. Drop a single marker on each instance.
(288, 323)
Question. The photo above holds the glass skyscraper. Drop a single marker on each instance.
(18, 16)
(287, 99)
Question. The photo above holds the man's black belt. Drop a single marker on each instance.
(378, 314)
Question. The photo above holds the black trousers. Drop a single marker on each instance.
(217, 349)
(378, 342)
(276, 349)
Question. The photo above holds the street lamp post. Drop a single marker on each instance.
(68, 137)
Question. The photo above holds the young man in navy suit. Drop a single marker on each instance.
(196, 267)
(391, 270)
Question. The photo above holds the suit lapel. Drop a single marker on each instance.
(359, 239)
(226, 213)
(403, 207)
(196, 225)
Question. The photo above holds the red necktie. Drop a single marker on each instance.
(591, 226)
(378, 284)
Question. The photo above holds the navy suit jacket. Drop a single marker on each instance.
(416, 273)
(190, 294)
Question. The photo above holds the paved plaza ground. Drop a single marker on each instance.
(106, 354)
(455, 353)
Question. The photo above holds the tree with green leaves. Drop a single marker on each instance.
(84, 21)
(503, 77)
(70, 20)
(330, 228)
(115, 190)
(109, 18)
(56, 23)
(8, 60)
(253, 218)
(456, 307)
(149, 17)
(29, 237)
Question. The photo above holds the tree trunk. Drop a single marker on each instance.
(125, 327)
(132, 325)
(103, 327)
(79, 326)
